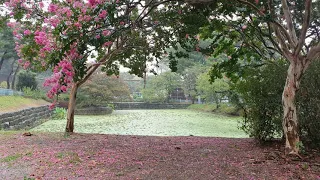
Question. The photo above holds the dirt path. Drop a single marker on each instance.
(90, 156)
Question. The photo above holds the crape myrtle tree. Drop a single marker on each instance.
(251, 31)
(64, 35)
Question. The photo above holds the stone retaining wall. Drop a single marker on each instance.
(24, 119)
(93, 111)
(121, 106)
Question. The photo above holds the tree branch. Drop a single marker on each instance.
(283, 31)
(288, 17)
(314, 53)
(252, 6)
(306, 22)
(284, 48)
(95, 66)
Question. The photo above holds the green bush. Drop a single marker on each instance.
(26, 79)
(225, 108)
(260, 93)
(308, 105)
(33, 94)
(111, 106)
(152, 95)
(203, 107)
(3, 84)
(59, 113)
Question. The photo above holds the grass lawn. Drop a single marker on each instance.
(13, 103)
(152, 123)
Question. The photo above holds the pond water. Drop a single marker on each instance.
(152, 123)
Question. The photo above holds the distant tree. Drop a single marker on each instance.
(214, 92)
(160, 87)
(134, 82)
(26, 79)
(101, 89)
(9, 57)
(190, 78)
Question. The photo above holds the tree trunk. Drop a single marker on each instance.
(9, 76)
(193, 99)
(8, 79)
(71, 107)
(290, 119)
(14, 77)
(2, 59)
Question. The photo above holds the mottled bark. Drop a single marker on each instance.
(290, 119)
(71, 107)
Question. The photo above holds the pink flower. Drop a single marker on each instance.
(52, 8)
(103, 14)
(26, 65)
(11, 24)
(121, 23)
(105, 33)
(41, 4)
(52, 105)
(40, 38)
(63, 88)
(27, 32)
(98, 36)
(92, 2)
(106, 44)
(77, 24)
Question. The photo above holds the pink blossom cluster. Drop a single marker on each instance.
(61, 79)
(71, 17)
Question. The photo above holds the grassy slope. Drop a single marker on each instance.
(13, 103)
(153, 122)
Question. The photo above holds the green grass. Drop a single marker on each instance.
(73, 157)
(152, 122)
(12, 103)
(11, 158)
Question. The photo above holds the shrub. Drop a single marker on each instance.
(100, 89)
(33, 94)
(59, 113)
(3, 84)
(203, 107)
(152, 95)
(260, 94)
(308, 105)
(26, 79)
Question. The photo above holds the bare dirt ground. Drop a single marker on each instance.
(92, 156)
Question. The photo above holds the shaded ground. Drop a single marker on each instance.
(90, 156)
(169, 122)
